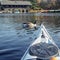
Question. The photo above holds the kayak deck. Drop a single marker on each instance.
(42, 48)
(40, 51)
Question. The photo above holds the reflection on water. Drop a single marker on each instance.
(14, 40)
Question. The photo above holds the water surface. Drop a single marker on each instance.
(14, 40)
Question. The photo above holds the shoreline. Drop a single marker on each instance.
(29, 14)
(33, 11)
(45, 11)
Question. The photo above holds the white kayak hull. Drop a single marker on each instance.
(45, 39)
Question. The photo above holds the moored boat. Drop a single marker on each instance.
(42, 48)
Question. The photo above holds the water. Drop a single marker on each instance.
(14, 40)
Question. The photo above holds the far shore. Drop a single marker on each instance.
(33, 11)
(46, 11)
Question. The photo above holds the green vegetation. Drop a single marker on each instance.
(45, 5)
(50, 5)
(34, 4)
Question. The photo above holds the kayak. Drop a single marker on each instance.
(43, 47)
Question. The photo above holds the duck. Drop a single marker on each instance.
(29, 25)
